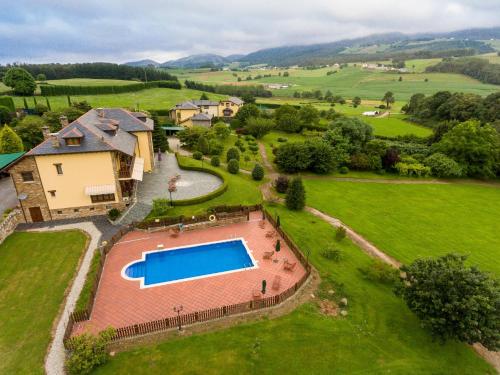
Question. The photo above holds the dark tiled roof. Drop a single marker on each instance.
(201, 116)
(204, 102)
(236, 100)
(93, 137)
(186, 105)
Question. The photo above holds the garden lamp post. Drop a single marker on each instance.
(178, 310)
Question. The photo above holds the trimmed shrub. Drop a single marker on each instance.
(88, 352)
(340, 233)
(233, 166)
(215, 161)
(281, 184)
(7, 101)
(233, 153)
(114, 214)
(443, 166)
(197, 155)
(296, 195)
(332, 254)
(10, 142)
(258, 172)
(344, 170)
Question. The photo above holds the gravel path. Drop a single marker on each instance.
(54, 361)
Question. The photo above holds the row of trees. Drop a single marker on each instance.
(244, 92)
(93, 70)
(480, 69)
(52, 90)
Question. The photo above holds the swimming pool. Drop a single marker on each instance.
(166, 266)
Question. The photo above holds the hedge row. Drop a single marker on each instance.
(204, 198)
(53, 90)
(7, 101)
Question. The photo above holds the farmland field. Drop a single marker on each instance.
(158, 98)
(379, 335)
(411, 221)
(394, 126)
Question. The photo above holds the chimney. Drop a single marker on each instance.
(63, 120)
(54, 140)
(100, 112)
(45, 132)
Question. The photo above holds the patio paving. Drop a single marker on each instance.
(120, 302)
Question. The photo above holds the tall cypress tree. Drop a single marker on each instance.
(160, 140)
(296, 195)
(10, 142)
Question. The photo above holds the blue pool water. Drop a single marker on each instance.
(192, 261)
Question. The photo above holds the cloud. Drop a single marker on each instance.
(113, 30)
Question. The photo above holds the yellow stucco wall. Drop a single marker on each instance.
(183, 114)
(227, 104)
(79, 171)
(144, 149)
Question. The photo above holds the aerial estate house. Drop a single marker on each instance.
(89, 167)
(201, 112)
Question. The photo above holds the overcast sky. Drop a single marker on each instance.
(125, 30)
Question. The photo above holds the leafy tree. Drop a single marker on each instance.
(82, 106)
(203, 146)
(215, 147)
(232, 153)
(5, 116)
(281, 184)
(353, 129)
(160, 139)
(328, 96)
(215, 161)
(248, 98)
(308, 115)
(293, 157)
(286, 74)
(490, 108)
(20, 80)
(388, 99)
(204, 96)
(258, 126)
(30, 131)
(10, 142)
(356, 101)
(452, 300)
(322, 158)
(189, 136)
(443, 166)
(258, 172)
(41, 77)
(233, 166)
(287, 119)
(296, 195)
(221, 130)
(391, 158)
(247, 111)
(88, 352)
(474, 146)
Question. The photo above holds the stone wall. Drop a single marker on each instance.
(8, 225)
(34, 189)
(85, 211)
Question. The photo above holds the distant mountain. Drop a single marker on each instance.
(196, 61)
(143, 63)
(378, 46)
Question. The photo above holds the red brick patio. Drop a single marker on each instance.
(120, 302)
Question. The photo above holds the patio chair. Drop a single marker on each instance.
(289, 266)
(270, 234)
(262, 224)
(268, 254)
(256, 294)
(276, 282)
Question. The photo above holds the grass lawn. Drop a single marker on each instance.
(410, 221)
(241, 190)
(247, 158)
(90, 82)
(395, 125)
(35, 271)
(380, 335)
(159, 98)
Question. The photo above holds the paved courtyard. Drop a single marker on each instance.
(120, 302)
(7, 194)
(191, 184)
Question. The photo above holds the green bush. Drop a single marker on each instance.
(295, 195)
(380, 272)
(233, 153)
(88, 352)
(340, 233)
(258, 172)
(332, 254)
(233, 166)
(161, 206)
(281, 184)
(443, 166)
(114, 214)
(344, 170)
(7, 101)
(215, 161)
(281, 139)
(85, 295)
(197, 155)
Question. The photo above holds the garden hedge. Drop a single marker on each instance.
(53, 90)
(7, 101)
(204, 198)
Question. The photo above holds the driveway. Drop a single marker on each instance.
(7, 194)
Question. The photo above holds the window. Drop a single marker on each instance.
(52, 193)
(27, 176)
(91, 208)
(58, 168)
(59, 212)
(76, 210)
(102, 198)
(206, 107)
(73, 141)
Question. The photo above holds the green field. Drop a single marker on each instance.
(36, 269)
(351, 81)
(90, 82)
(379, 336)
(411, 221)
(394, 126)
(158, 98)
